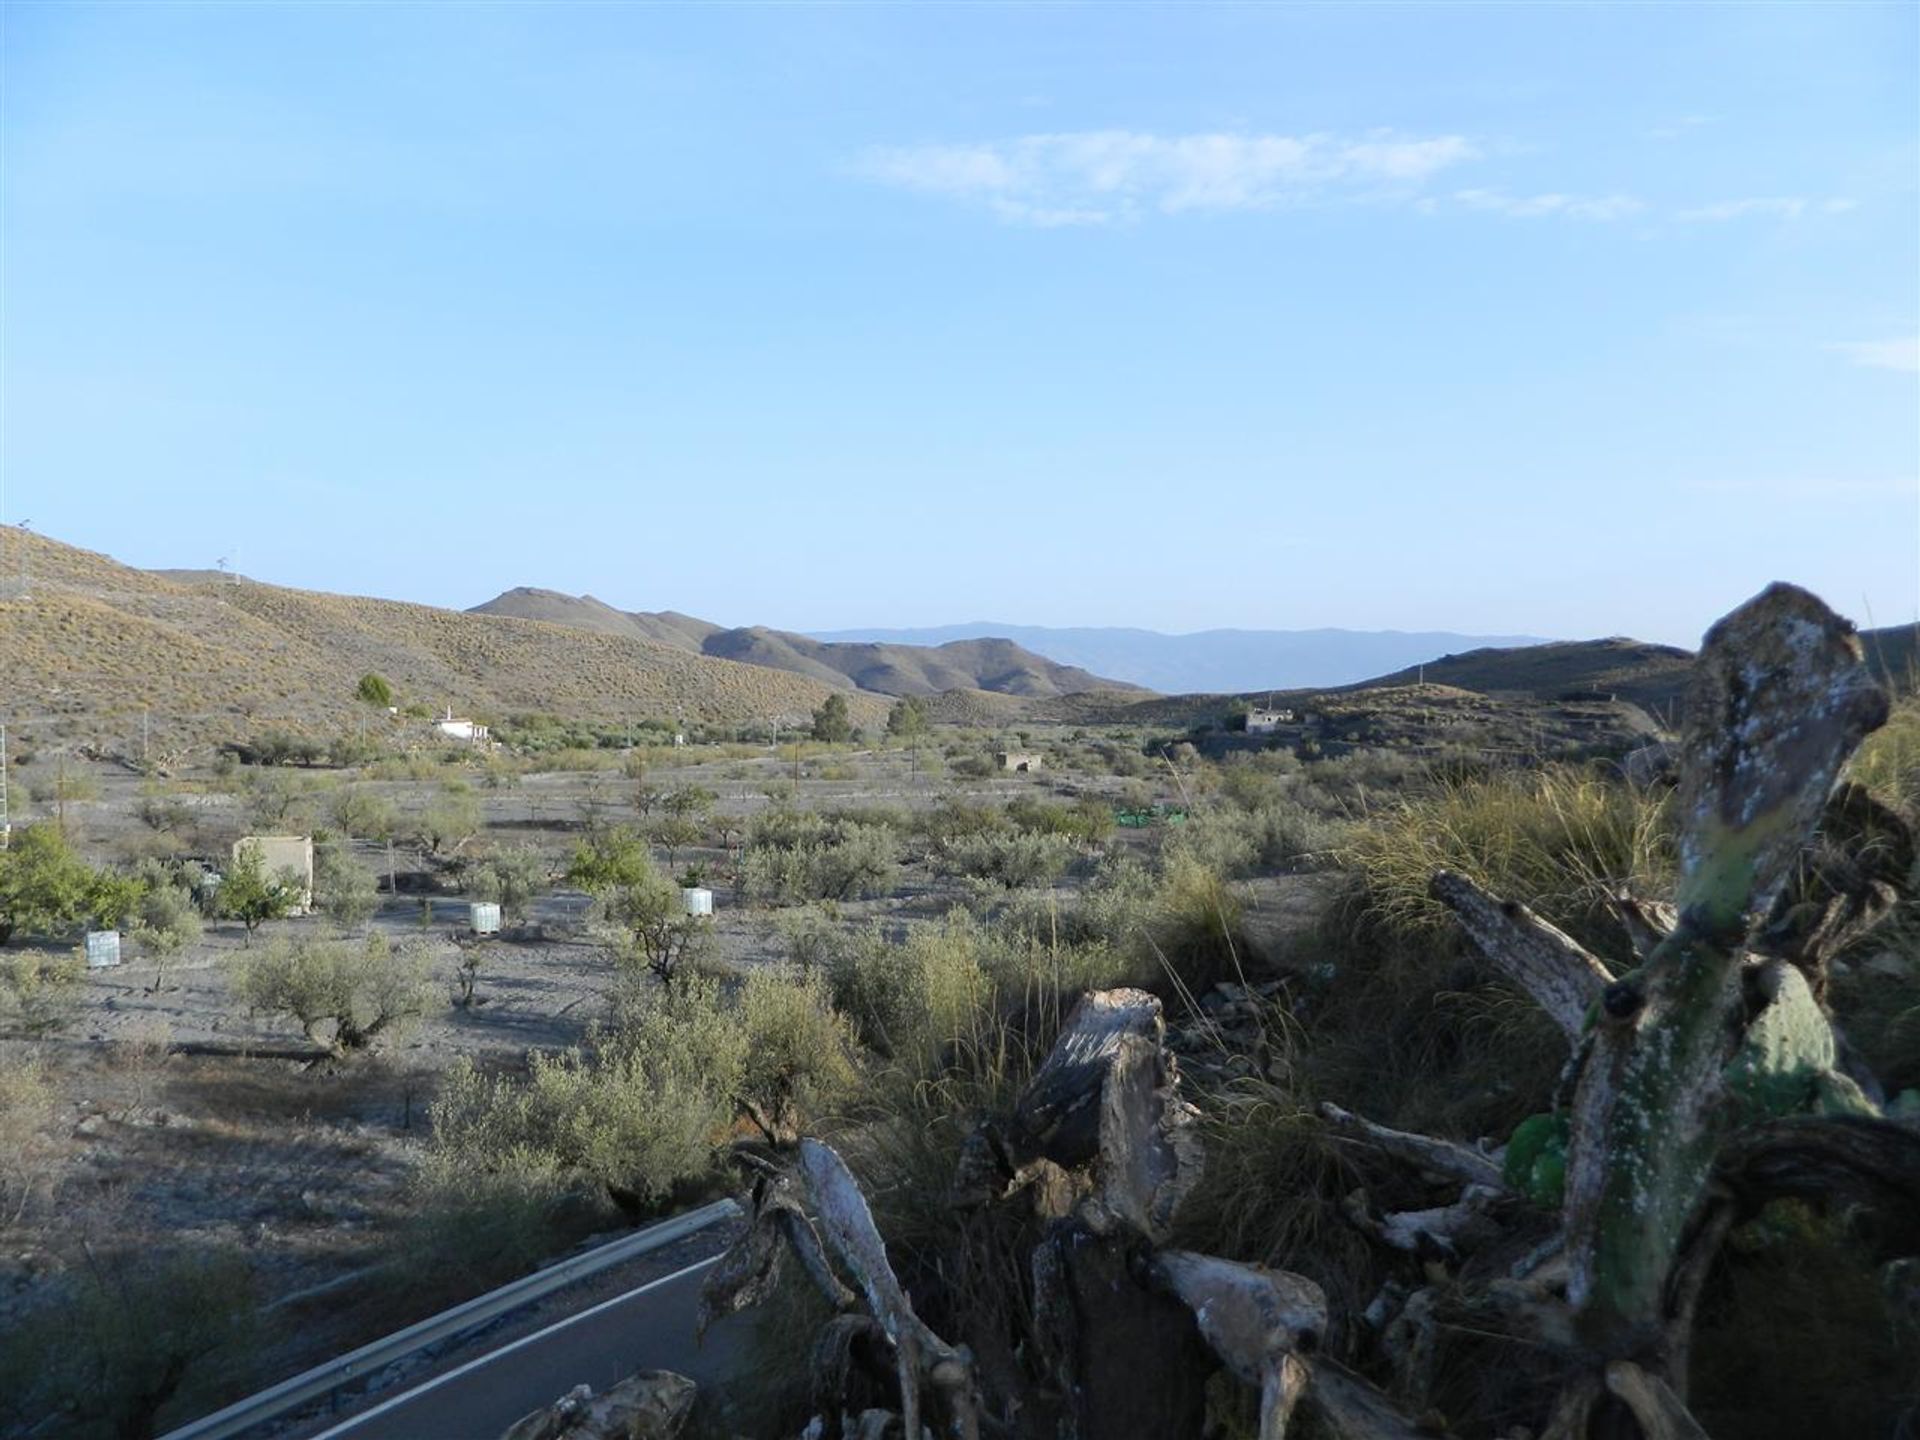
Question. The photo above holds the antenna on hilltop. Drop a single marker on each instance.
(23, 527)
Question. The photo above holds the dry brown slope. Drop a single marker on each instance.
(98, 641)
(884, 669)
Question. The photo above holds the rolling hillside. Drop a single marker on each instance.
(988, 663)
(1208, 661)
(97, 642)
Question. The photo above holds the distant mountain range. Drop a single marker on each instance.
(883, 668)
(1209, 661)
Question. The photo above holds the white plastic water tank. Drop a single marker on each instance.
(483, 917)
(698, 900)
(103, 949)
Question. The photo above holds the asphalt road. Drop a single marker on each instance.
(649, 1328)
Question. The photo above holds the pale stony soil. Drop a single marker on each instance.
(184, 1123)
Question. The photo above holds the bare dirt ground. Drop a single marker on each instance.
(184, 1122)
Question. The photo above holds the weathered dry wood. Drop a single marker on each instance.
(1058, 1114)
(1411, 1342)
(749, 1270)
(1550, 965)
(1647, 922)
(1660, 1412)
(1855, 871)
(1256, 1320)
(1830, 1160)
(1439, 1231)
(1150, 1157)
(1345, 1407)
(1440, 1157)
(648, 1405)
(1057, 1117)
(1101, 1124)
(846, 1225)
(1121, 1357)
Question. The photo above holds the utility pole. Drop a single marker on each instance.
(6, 822)
(146, 733)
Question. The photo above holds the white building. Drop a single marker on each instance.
(1265, 722)
(466, 731)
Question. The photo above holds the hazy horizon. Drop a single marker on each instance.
(1465, 319)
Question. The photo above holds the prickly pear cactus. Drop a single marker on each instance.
(1781, 698)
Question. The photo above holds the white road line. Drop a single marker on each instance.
(346, 1426)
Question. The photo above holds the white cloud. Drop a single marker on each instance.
(1534, 207)
(1902, 354)
(1782, 207)
(1094, 176)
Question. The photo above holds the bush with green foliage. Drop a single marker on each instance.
(166, 920)
(247, 893)
(121, 1339)
(28, 1104)
(344, 890)
(512, 878)
(907, 720)
(39, 991)
(832, 723)
(1017, 860)
(649, 929)
(158, 810)
(797, 856)
(364, 813)
(907, 999)
(450, 820)
(374, 690)
(344, 995)
(637, 1114)
(47, 889)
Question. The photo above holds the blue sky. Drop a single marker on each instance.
(1555, 320)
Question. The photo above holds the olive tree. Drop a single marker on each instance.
(344, 995)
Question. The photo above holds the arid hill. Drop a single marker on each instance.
(96, 643)
(990, 664)
(1650, 676)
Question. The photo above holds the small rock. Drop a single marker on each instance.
(651, 1405)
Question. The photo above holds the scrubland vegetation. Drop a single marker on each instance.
(901, 930)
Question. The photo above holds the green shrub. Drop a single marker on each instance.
(452, 819)
(512, 878)
(909, 999)
(799, 1053)
(635, 1115)
(27, 1108)
(344, 890)
(253, 897)
(364, 813)
(44, 886)
(122, 1338)
(1277, 835)
(1019, 860)
(343, 995)
(804, 857)
(1088, 820)
(39, 991)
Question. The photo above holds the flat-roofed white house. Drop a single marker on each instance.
(1266, 721)
(469, 732)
